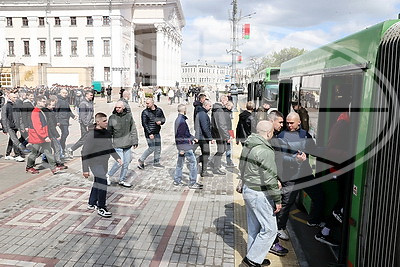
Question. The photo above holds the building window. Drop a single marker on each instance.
(89, 21)
(107, 48)
(26, 48)
(90, 47)
(57, 21)
(73, 21)
(41, 21)
(9, 22)
(106, 20)
(107, 74)
(74, 48)
(58, 48)
(42, 48)
(25, 21)
(11, 48)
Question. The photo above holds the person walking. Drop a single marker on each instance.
(261, 193)
(203, 134)
(86, 112)
(63, 114)
(95, 155)
(152, 119)
(109, 91)
(122, 128)
(39, 137)
(10, 128)
(184, 143)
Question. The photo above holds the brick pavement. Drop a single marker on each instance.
(44, 220)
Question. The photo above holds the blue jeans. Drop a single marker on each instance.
(189, 155)
(261, 223)
(126, 156)
(154, 146)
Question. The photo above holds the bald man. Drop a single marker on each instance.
(296, 144)
(260, 192)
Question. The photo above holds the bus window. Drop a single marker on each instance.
(271, 95)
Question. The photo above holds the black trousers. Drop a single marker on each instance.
(205, 154)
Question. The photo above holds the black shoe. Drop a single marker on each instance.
(140, 165)
(266, 262)
(206, 174)
(250, 263)
(338, 215)
(278, 250)
(179, 183)
(219, 172)
(326, 239)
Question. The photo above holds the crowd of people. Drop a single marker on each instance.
(273, 159)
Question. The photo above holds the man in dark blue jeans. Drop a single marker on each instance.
(95, 155)
(152, 119)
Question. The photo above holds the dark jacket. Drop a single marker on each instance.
(197, 107)
(291, 143)
(183, 138)
(123, 129)
(149, 118)
(63, 111)
(97, 149)
(51, 122)
(18, 114)
(7, 117)
(246, 125)
(220, 122)
(27, 108)
(202, 125)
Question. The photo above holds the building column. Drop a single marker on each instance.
(160, 69)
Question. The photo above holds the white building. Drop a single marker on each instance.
(212, 76)
(118, 42)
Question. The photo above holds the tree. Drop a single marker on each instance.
(275, 59)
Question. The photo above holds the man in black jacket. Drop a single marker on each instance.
(63, 114)
(202, 128)
(95, 155)
(152, 119)
(10, 127)
(220, 132)
(246, 124)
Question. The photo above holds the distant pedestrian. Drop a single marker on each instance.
(171, 96)
(184, 143)
(246, 124)
(95, 155)
(109, 92)
(152, 119)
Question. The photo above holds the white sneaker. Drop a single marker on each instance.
(125, 184)
(9, 158)
(19, 159)
(104, 212)
(283, 235)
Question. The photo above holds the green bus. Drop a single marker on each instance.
(358, 75)
(264, 88)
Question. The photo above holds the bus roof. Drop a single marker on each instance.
(358, 49)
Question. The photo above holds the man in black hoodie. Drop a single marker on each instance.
(152, 119)
(95, 155)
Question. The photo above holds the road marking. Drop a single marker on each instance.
(293, 212)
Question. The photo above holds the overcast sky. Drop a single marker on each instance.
(277, 24)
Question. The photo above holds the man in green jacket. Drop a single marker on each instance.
(124, 136)
(261, 193)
